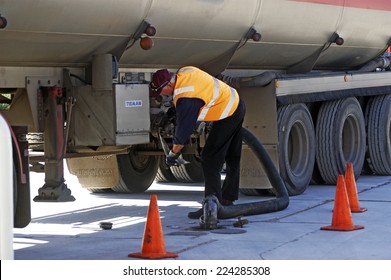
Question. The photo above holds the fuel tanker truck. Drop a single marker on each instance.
(74, 88)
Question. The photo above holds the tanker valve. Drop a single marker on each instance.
(3, 22)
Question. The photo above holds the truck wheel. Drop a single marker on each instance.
(97, 174)
(164, 173)
(96, 190)
(189, 173)
(340, 138)
(296, 147)
(137, 172)
(128, 173)
(378, 120)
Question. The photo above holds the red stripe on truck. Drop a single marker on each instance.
(382, 5)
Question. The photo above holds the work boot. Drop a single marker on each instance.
(196, 214)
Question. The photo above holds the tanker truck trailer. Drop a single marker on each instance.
(74, 85)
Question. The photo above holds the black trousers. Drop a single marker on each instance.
(224, 144)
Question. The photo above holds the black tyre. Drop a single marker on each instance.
(100, 190)
(316, 177)
(189, 173)
(340, 138)
(94, 183)
(378, 121)
(137, 172)
(296, 147)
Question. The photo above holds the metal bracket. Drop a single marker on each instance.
(33, 85)
(307, 64)
(220, 63)
(54, 189)
(137, 35)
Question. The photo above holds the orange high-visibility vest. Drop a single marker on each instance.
(220, 99)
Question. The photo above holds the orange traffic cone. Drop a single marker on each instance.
(342, 216)
(351, 189)
(153, 246)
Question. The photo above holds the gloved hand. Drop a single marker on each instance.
(172, 159)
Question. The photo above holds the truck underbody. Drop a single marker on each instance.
(311, 125)
(75, 87)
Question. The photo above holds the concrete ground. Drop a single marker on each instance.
(71, 230)
(65, 239)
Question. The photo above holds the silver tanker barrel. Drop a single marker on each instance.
(49, 33)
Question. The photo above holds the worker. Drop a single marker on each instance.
(198, 96)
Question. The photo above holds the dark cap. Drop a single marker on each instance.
(159, 80)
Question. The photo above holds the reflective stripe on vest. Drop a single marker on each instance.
(231, 103)
(220, 99)
(205, 109)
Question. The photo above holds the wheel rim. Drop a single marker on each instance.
(296, 146)
(298, 149)
(139, 162)
(350, 139)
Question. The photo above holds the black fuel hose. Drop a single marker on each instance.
(260, 80)
(261, 207)
(380, 62)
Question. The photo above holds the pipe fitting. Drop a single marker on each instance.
(380, 62)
